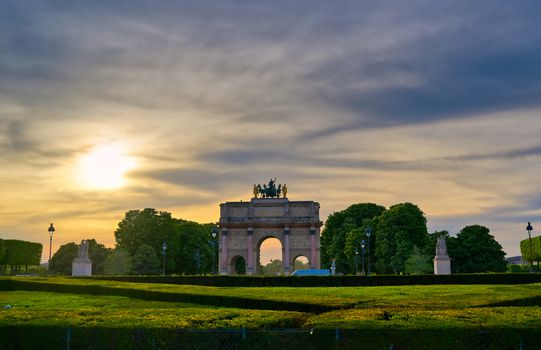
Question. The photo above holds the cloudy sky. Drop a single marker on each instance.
(107, 106)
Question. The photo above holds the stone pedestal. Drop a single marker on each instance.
(442, 265)
(81, 267)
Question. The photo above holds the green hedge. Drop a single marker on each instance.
(535, 249)
(16, 253)
(332, 281)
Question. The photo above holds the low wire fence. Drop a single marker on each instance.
(281, 339)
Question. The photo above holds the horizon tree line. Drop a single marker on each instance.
(399, 243)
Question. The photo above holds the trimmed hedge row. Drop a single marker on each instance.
(332, 281)
(201, 299)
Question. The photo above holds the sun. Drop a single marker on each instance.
(104, 167)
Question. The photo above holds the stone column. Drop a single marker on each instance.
(287, 259)
(313, 257)
(224, 265)
(250, 270)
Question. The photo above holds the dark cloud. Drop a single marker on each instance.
(454, 61)
(478, 63)
(534, 151)
(284, 158)
(16, 138)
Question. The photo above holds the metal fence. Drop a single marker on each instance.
(280, 339)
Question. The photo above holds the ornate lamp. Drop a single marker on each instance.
(529, 228)
(51, 231)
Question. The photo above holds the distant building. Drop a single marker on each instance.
(515, 260)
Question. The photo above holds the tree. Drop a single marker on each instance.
(119, 262)
(419, 263)
(399, 230)
(354, 240)
(240, 266)
(273, 268)
(335, 234)
(3, 247)
(98, 254)
(475, 250)
(145, 261)
(189, 248)
(300, 265)
(147, 227)
(62, 260)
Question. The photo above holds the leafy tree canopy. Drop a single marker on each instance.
(147, 227)
(273, 268)
(399, 230)
(145, 261)
(475, 250)
(63, 258)
(119, 262)
(419, 263)
(190, 248)
(337, 226)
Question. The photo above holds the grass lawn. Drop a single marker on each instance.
(53, 302)
(436, 306)
(45, 308)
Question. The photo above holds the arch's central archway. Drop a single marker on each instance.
(269, 249)
(245, 225)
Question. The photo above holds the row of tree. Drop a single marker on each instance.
(400, 243)
(531, 250)
(140, 237)
(16, 253)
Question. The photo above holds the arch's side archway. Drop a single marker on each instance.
(300, 262)
(245, 225)
(238, 265)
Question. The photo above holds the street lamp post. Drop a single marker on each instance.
(363, 246)
(529, 228)
(164, 252)
(356, 260)
(51, 231)
(214, 233)
(368, 232)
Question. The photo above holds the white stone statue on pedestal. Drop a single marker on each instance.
(82, 265)
(442, 262)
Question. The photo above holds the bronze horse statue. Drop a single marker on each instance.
(270, 191)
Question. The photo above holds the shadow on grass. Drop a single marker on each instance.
(201, 299)
(529, 301)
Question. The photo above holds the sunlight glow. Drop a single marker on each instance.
(104, 167)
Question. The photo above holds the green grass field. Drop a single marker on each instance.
(94, 304)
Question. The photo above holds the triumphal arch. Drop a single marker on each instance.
(269, 214)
